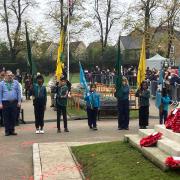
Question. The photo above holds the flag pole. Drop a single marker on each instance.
(68, 6)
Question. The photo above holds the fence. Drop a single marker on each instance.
(173, 91)
(76, 98)
(109, 79)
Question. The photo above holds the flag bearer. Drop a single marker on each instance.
(144, 95)
(61, 104)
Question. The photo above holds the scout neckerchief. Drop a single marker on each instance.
(9, 85)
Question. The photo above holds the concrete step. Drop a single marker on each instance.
(165, 144)
(168, 146)
(145, 132)
(154, 154)
(168, 133)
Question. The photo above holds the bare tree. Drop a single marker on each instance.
(106, 16)
(172, 8)
(12, 17)
(58, 11)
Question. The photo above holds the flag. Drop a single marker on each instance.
(160, 81)
(29, 54)
(142, 65)
(83, 79)
(59, 70)
(179, 70)
(158, 99)
(118, 92)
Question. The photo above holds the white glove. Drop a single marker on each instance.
(88, 94)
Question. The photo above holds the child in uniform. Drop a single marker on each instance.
(39, 101)
(61, 104)
(144, 95)
(92, 105)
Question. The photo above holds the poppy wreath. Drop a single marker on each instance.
(172, 162)
(150, 140)
(173, 121)
(169, 120)
(176, 123)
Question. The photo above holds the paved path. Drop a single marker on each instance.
(16, 152)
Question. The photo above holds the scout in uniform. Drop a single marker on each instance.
(61, 104)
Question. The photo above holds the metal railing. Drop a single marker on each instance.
(109, 79)
(173, 90)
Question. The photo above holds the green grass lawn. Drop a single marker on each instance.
(82, 113)
(134, 114)
(74, 112)
(73, 77)
(118, 161)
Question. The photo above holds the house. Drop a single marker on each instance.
(131, 45)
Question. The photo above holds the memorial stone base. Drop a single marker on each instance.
(168, 145)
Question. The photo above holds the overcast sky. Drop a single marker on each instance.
(88, 36)
(37, 16)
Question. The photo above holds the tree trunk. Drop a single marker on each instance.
(8, 30)
(146, 29)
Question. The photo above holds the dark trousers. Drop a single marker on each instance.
(39, 115)
(9, 115)
(61, 109)
(92, 116)
(17, 116)
(143, 116)
(162, 115)
(1, 118)
(123, 113)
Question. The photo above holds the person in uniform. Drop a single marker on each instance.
(92, 105)
(39, 101)
(10, 99)
(123, 106)
(2, 74)
(143, 94)
(61, 104)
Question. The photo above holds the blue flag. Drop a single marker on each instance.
(179, 71)
(158, 99)
(160, 81)
(83, 79)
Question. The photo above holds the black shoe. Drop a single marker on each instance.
(52, 105)
(7, 134)
(120, 128)
(66, 130)
(95, 128)
(126, 128)
(58, 131)
(13, 133)
(90, 127)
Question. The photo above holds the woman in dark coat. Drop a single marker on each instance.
(123, 106)
(143, 94)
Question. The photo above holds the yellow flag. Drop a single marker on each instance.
(142, 65)
(59, 58)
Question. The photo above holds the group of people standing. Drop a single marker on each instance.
(11, 98)
(123, 105)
